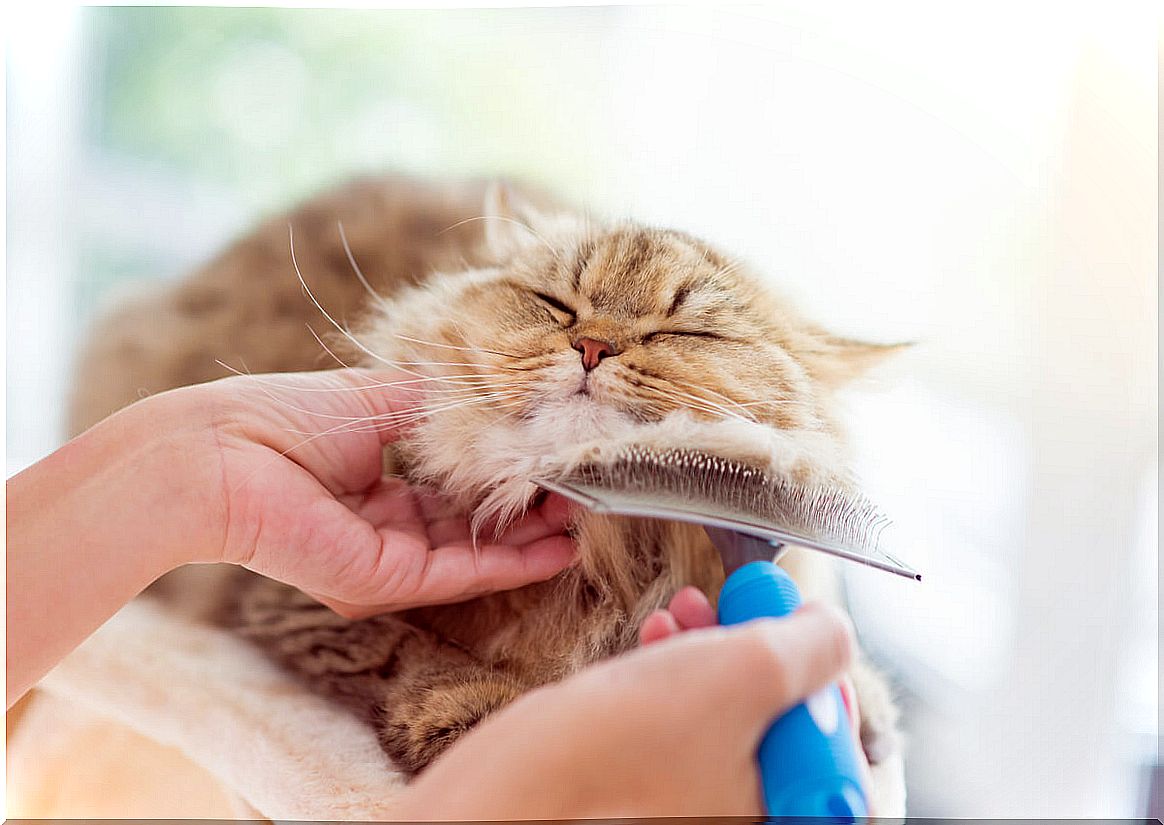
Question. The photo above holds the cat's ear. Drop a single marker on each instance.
(836, 361)
(510, 221)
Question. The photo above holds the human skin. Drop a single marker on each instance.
(221, 472)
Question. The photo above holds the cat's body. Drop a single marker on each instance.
(488, 306)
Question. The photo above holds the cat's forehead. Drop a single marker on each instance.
(637, 270)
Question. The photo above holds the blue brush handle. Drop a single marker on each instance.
(808, 759)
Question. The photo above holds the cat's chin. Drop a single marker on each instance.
(574, 419)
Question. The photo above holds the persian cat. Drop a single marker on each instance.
(577, 333)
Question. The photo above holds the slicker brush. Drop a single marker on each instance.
(695, 486)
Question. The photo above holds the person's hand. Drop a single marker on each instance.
(296, 460)
(280, 473)
(670, 729)
(689, 609)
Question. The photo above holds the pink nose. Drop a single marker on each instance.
(593, 351)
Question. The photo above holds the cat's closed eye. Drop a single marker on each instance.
(559, 307)
(683, 333)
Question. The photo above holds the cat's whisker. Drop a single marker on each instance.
(344, 363)
(468, 389)
(453, 346)
(400, 365)
(394, 416)
(707, 402)
(447, 364)
(728, 399)
(676, 394)
(340, 361)
(319, 340)
(703, 404)
(246, 373)
(790, 402)
(494, 405)
(712, 407)
(684, 399)
(367, 426)
(374, 386)
(508, 219)
(356, 267)
(732, 401)
(418, 413)
(684, 403)
(324, 312)
(372, 424)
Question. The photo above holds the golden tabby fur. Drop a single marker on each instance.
(697, 349)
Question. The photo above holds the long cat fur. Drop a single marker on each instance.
(458, 265)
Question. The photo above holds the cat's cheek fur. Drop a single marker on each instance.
(488, 463)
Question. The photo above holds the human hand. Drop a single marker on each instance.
(689, 609)
(285, 474)
(667, 730)
(230, 471)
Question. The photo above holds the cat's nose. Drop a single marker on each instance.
(594, 351)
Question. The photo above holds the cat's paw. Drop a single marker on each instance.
(425, 718)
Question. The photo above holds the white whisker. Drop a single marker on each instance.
(452, 346)
(324, 312)
(356, 267)
(522, 224)
(394, 416)
(791, 402)
(453, 379)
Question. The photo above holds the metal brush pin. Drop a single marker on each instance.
(751, 517)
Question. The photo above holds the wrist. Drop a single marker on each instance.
(153, 482)
(93, 524)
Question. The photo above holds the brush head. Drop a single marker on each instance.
(700, 487)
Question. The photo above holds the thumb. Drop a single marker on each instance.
(774, 664)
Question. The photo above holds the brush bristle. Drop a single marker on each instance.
(692, 479)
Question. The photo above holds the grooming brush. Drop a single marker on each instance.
(808, 761)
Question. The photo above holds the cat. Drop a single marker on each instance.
(580, 333)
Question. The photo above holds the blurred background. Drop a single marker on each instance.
(980, 179)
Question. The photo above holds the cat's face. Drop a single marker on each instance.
(583, 333)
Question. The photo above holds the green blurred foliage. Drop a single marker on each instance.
(271, 103)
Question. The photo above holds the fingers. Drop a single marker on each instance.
(457, 571)
(658, 626)
(796, 656)
(689, 609)
(547, 519)
(763, 667)
(452, 573)
(401, 559)
(393, 503)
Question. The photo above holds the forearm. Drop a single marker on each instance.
(90, 527)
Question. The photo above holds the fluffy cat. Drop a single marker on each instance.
(546, 335)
